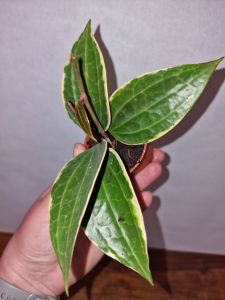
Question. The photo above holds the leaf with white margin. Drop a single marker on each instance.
(151, 105)
(116, 223)
(70, 194)
(91, 65)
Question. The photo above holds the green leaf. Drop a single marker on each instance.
(91, 65)
(69, 198)
(116, 223)
(149, 106)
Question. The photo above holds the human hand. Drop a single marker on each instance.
(29, 261)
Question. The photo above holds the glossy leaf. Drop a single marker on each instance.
(149, 106)
(116, 223)
(70, 195)
(91, 65)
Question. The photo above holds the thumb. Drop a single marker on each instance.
(78, 148)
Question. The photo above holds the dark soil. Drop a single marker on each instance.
(130, 154)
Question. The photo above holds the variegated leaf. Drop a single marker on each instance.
(149, 106)
(70, 194)
(116, 223)
(90, 64)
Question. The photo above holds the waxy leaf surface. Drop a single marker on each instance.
(70, 195)
(91, 65)
(116, 223)
(149, 106)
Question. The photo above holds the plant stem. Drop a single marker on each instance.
(83, 97)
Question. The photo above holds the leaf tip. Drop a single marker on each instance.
(220, 59)
(88, 26)
(67, 291)
(65, 279)
(148, 277)
(215, 63)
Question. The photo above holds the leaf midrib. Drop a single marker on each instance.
(117, 225)
(141, 92)
(155, 123)
(130, 187)
(60, 205)
(99, 99)
(71, 218)
(72, 83)
(142, 111)
(152, 105)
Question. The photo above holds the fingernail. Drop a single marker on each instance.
(75, 150)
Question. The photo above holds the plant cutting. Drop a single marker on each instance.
(94, 191)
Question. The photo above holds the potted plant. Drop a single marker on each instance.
(94, 189)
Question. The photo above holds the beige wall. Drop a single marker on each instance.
(37, 138)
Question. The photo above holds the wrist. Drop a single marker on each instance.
(11, 292)
(14, 277)
(15, 271)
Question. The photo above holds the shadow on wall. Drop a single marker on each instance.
(152, 222)
(110, 69)
(198, 110)
(154, 229)
(158, 234)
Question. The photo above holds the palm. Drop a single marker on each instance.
(33, 244)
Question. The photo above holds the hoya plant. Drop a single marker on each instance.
(94, 190)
